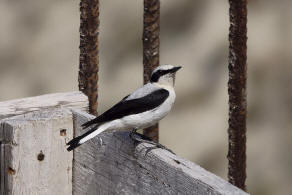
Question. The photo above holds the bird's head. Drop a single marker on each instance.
(164, 74)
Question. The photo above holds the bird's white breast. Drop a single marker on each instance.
(151, 117)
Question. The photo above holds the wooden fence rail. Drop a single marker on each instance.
(34, 159)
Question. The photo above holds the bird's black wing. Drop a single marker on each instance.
(132, 106)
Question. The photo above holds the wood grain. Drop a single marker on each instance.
(34, 159)
(33, 131)
(113, 164)
(21, 106)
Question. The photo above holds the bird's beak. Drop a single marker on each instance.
(176, 68)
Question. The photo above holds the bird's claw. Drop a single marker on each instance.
(148, 140)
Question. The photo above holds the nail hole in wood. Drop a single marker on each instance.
(41, 156)
(11, 171)
(63, 132)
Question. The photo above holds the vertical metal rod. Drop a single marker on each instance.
(151, 30)
(237, 93)
(88, 61)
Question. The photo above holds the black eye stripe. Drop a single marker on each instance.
(155, 76)
(164, 72)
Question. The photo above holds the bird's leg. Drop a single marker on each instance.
(157, 145)
(143, 136)
(132, 134)
(146, 140)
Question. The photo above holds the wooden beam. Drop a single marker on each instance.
(34, 159)
(113, 164)
(21, 106)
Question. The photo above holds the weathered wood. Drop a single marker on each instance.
(39, 124)
(34, 159)
(112, 164)
(21, 106)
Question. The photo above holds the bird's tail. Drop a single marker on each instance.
(77, 141)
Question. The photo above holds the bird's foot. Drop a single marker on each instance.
(148, 140)
(144, 137)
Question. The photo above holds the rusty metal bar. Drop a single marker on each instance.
(151, 41)
(237, 93)
(88, 61)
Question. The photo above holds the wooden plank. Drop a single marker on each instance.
(21, 106)
(113, 164)
(83, 169)
(34, 159)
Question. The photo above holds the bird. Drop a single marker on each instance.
(142, 108)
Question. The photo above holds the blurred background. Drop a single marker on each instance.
(39, 54)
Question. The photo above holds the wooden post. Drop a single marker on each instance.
(88, 62)
(151, 41)
(33, 156)
(237, 93)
